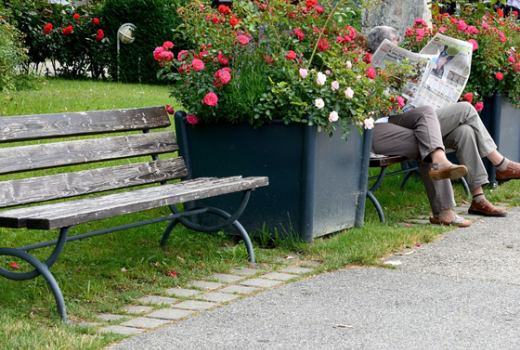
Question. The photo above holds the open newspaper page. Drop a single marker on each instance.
(442, 70)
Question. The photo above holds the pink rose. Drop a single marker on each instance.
(485, 25)
(323, 44)
(333, 116)
(211, 99)
(371, 73)
(303, 73)
(167, 45)
(461, 25)
(334, 85)
(197, 64)
(243, 40)
(468, 97)
(474, 43)
(442, 29)
(369, 123)
(182, 55)
(349, 65)
(367, 58)
(479, 106)
(511, 59)
(321, 79)
(349, 93)
(191, 119)
(499, 76)
(420, 32)
(418, 38)
(157, 53)
(169, 109)
(420, 21)
(201, 6)
(502, 37)
(400, 101)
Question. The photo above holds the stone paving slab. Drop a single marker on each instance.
(310, 264)
(225, 278)
(145, 322)
(205, 284)
(195, 305)
(259, 282)
(121, 330)
(278, 276)
(218, 297)
(239, 289)
(137, 309)
(157, 300)
(183, 293)
(88, 324)
(297, 270)
(246, 271)
(170, 314)
(110, 317)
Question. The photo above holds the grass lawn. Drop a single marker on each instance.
(102, 274)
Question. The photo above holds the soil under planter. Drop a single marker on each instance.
(317, 183)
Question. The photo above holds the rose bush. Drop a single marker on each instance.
(264, 60)
(495, 66)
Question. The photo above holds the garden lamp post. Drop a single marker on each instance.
(125, 34)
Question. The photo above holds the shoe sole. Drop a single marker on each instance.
(452, 174)
(483, 213)
(435, 221)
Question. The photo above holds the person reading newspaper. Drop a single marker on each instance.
(422, 133)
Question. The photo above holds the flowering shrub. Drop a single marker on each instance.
(73, 40)
(495, 64)
(11, 53)
(267, 60)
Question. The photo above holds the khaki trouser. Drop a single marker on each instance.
(419, 132)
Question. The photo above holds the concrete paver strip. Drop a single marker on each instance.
(183, 293)
(170, 314)
(246, 271)
(278, 276)
(157, 300)
(297, 270)
(218, 297)
(110, 317)
(225, 278)
(205, 284)
(121, 330)
(239, 290)
(145, 322)
(137, 309)
(195, 305)
(260, 282)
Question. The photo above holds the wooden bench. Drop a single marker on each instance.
(408, 167)
(127, 145)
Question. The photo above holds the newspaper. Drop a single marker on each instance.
(442, 70)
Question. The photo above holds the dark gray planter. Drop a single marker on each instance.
(502, 120)
(317, 183)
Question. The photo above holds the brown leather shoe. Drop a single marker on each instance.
(485, 208)
(512, 172)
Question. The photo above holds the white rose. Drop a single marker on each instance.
(319, 103)
(333, 116)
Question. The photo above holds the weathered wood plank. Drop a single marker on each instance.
(45, 188)
(32, 127)
(50, 155)
(58, 215)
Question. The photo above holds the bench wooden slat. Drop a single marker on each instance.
(50, 155)
(57, 215)
(45, 188)
(32, 127)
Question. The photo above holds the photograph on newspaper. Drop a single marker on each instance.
(442, 69)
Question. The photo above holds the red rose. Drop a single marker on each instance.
(291, 55)
(500, 13)
(468, 97)
(222, 59)
(243, 40)
(323, 44)
(371, 73)
(47, 29)
(234, 21)
(169, 109)
(312, 3)
(211, 99)
(191, 119)
(167, 45)
(76, 17)
(224, 9)
(67, 30)
(298, 32)
(100, 35)
(367, 58)
(96, 21)
(215, 19)
(269, 60)
(499, 76)
(479, 106)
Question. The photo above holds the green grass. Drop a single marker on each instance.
(104, 273)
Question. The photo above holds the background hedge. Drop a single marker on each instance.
(155, 22)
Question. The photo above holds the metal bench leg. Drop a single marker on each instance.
(466, 187)
(167, 232)
(40, 269)
(373, 199)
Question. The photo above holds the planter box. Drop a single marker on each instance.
(502, 120)
(317, 183)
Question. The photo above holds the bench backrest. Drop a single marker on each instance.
(18, 157)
